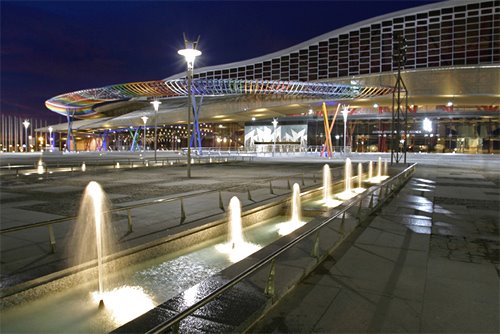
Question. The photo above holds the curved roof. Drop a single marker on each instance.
(81, 104)
(322, 68)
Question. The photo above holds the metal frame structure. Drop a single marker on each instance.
(399, 117)
(83, 103)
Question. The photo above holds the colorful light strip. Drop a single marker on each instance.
(82, 103)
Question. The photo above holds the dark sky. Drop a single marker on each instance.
(50, 48)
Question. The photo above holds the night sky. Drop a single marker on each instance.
(50, 48)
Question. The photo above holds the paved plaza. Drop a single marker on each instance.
(428, 262)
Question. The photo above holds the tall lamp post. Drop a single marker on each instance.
(156, 105)
(26, 124)
(275, 125)
(144, 119)
(345, 112)
(189, 53)
(50, 138)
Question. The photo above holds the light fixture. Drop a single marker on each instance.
(144, 119)
(190, 53)
(50, 138)
(345, 112)
(375, 105)
(156, 106)
(449, 104)
(26, 124)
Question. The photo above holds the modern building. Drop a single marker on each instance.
(448, 55)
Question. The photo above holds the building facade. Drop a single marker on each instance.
(451, 75)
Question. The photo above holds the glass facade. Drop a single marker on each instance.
(448, 36)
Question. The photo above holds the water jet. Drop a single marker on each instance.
(296, 217)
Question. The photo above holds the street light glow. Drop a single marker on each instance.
(144, 119)
(345, 112)
(156, 106)
(190, 53)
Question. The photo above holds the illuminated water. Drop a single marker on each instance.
(90, 240)
(237, 248)
(360, 188)
(40, 169)
(296, 217)
(381, 176)
(348, 176)
(347, 193)
(360, 175)
(379, 167)
(296, 205)
(327, 180)
(328, 201)
(141, 288)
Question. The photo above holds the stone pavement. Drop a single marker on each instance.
(31, 199)
(429, 262)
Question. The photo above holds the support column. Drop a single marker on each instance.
(195, 140)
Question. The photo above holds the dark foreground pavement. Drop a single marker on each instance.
(429, 262)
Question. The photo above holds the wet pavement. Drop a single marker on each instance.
(429, 262)
(32, 199)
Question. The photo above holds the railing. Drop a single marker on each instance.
(123, 163)
(385, 191)
(335, 149)
(49, 223)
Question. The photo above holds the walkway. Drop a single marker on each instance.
(429, 262)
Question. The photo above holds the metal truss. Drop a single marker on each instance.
(83, 102)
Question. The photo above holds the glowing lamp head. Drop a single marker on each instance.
(51, 129)
(449, 104)
(26, 123)
(144, 119)
(189, 54)
(156, 104)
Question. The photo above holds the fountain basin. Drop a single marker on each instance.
(63, 301)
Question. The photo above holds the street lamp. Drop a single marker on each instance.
(50, 138)
(275, 124)
(144, 119)
(156, 105)
(26, 124)
(189, 53)
(345, 112)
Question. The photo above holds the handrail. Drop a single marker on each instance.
(130, 207)
(93, 162)
(245, 273)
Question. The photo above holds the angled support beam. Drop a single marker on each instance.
(195, 140)
(134, 138)
(328, 130)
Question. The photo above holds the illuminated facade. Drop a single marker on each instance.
(452, 73)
